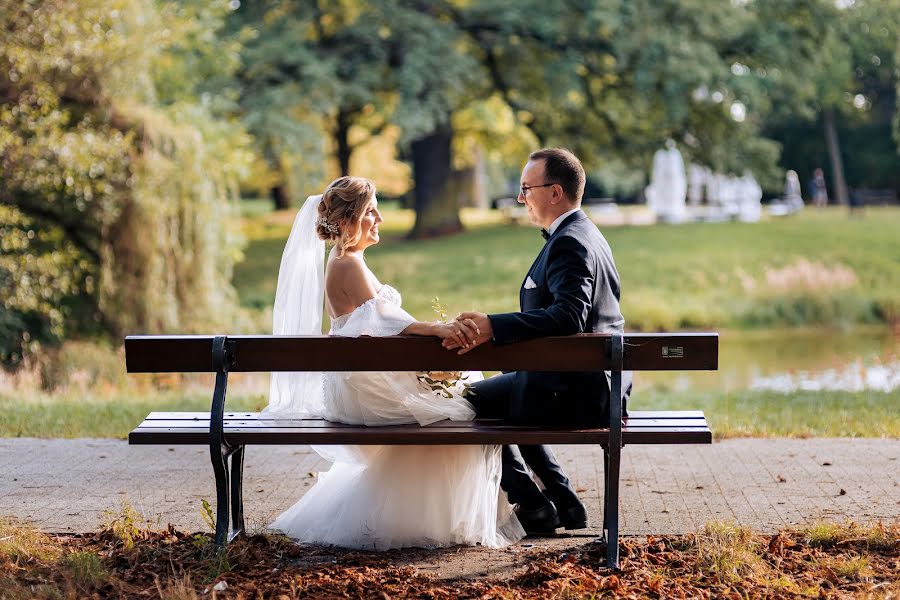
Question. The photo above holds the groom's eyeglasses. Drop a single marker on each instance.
(524, 189)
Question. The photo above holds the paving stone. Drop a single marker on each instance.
(766, 484)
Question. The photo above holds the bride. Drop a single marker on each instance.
(375, 497)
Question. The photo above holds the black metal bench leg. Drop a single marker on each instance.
(605, 491)
(614, 454)
(612, 503)
(237, 491)
(220, 468)
(222, 358)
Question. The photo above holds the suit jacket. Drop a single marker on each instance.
(575, 290)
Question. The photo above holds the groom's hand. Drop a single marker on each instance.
(483, 331)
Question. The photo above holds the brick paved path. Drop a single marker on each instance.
(65, 485)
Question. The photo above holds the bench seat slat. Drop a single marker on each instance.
(632, 415)
(200, 436)
(320, 425)
(678, 435)
(245, 428)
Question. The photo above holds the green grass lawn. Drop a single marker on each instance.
(753, 413)
(100, 415)
(816, 268)
(739, 414)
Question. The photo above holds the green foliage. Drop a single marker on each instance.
(325, 79)
(82, 364)
(611, 80)
(207, 513)
(122, 524)
(730, 553)
(119, 182)
(841, 59)
(124, 128)
(39, 268)
(84, 567)
(896, 119)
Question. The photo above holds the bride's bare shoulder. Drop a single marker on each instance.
(345, 269)
(347, 283)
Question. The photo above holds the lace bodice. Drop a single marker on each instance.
(377, 317)
(390, 294)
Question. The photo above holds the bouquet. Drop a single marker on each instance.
(443, 383)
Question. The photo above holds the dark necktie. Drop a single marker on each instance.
(545, 234)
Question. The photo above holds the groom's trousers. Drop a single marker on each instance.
(491, 400)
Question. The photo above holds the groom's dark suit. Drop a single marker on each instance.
(572, 287)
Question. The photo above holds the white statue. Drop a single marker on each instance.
(748, 200)
(668, 185)
(791, 196)
(697, 178)
(731, 195)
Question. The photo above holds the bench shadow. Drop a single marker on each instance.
(459, 562)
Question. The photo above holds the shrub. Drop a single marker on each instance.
(83, 364)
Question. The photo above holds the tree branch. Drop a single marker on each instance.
(73, 231)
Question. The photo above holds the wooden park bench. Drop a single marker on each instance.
(228, 433)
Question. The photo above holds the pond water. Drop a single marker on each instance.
(787, 360)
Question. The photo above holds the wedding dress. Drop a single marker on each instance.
(381, 497)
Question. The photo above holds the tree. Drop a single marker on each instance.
(835, 72)
(118, 180)
(614, 80)
(357, 69)
(611, 80)
(311, 75)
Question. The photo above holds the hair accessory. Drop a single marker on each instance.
(331, 227)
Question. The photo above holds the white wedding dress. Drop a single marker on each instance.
(382, 497)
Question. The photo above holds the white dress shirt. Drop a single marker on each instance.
(560, 219)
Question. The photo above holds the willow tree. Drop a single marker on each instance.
(118, 183)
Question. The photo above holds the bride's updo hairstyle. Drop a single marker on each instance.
(343, 205)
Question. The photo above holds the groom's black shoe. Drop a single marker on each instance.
(537, 521)
(573, 517)
(572, 513)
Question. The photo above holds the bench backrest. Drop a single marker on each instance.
(583, 352)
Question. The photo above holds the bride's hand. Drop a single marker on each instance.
(463, 332)
(481, 324)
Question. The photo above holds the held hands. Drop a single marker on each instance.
(479, 331)
(457, 333)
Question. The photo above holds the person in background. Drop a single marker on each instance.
(817, 191)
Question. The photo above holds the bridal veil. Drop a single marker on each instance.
(299, 299)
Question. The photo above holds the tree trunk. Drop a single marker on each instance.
(436, 189)
(342, 138)
(834, 153)
(280, 197)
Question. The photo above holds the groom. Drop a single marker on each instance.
(572, 287)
